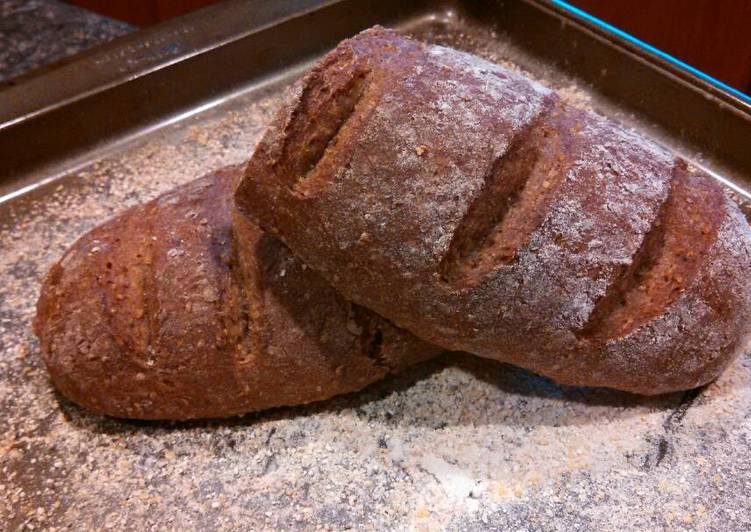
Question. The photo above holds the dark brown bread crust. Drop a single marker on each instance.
(153, 315)
(471, 206)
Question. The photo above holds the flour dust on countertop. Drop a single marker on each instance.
(457, 443)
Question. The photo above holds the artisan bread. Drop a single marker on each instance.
(160, 314)
(475, 208)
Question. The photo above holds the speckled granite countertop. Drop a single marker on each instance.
(35, 33)
(458, 443)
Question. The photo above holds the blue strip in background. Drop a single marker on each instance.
(656, 51)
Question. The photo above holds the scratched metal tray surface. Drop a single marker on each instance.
(457, 443)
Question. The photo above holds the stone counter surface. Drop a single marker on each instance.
(458, 443)
(36, 33)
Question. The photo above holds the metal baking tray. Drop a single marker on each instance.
(123, 122)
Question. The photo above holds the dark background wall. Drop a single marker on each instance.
(712, 35)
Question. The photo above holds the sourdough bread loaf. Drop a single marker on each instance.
(473, 207)
(167, 312)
